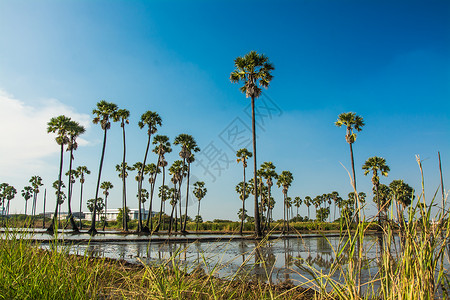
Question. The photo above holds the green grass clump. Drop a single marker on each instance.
(29, 272)
(32, 273)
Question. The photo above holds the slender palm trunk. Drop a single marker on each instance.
(92, 230)
(267, 222)
(198, 214)
(354, 182)
(106, 208)
(124, 185)
(26, 201)
(33, 207)
(179, 206)
(258, 232)
(69, 200)
(284, 213)
(243, 204)
(149, 223)
(187, 197)
(171, 218)
(162, 201)
(81, 202)
(140, 227)
(45, 198)
(51, 228)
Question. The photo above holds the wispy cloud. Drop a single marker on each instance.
(24, 141)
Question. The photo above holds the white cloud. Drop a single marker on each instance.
(24, 140)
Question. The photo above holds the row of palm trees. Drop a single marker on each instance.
(67, 131)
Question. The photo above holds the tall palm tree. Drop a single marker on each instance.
(199, 192)
(376, 164)
(308, 201)
(36, 182)
(352, 122)
(254, 70)
(103, 113)
(122, 115)
(285, 180)
(163, 195)
(75, 130)
(151, 120)
(403, 194)
(106, 186)
(153, 171)
(242, 156)
(384, 199)
(80, 172)
(188, 145)
(61, 126)
(243, 195)
(268, 173)
(60, 195)
(122, 169)
(139, 178)
(178, 171)
(10, 193)
(173, 196)
(162, 147)
(297, 203)
(27, 193)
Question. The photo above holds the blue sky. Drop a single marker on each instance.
(388, 61)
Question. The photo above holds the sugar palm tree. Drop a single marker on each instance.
(162, 147)
(36, 182)
(285, 180)
(298, 202)
(152, 170)
(80, 172)
(267, 171)
(10, 193)
(27, 193)
(61, 126)
(403, 195)
(163, 194)
(352, 122)
(188, 146)
(75, 130)
(106, 186)
(178, 171)
(376, 164)
(139, 178)
(173, 196)
(60, 195)
(122, 115)
(123, 169)
(243, 195)
(242, 156)
(254, 70)
(103, 113)
(308, 202)
(150, 120)
(199, 192)
(384, 199)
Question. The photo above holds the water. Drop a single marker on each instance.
(273, 261)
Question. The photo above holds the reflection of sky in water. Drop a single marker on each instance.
(275, 260)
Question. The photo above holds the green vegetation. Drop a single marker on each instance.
(32, 273)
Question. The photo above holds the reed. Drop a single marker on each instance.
(411, 262)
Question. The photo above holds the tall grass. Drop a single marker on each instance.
(28, 272)
(412, 260)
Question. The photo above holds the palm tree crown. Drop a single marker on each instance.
(376, 164)
(252, 68)
(352, 122)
